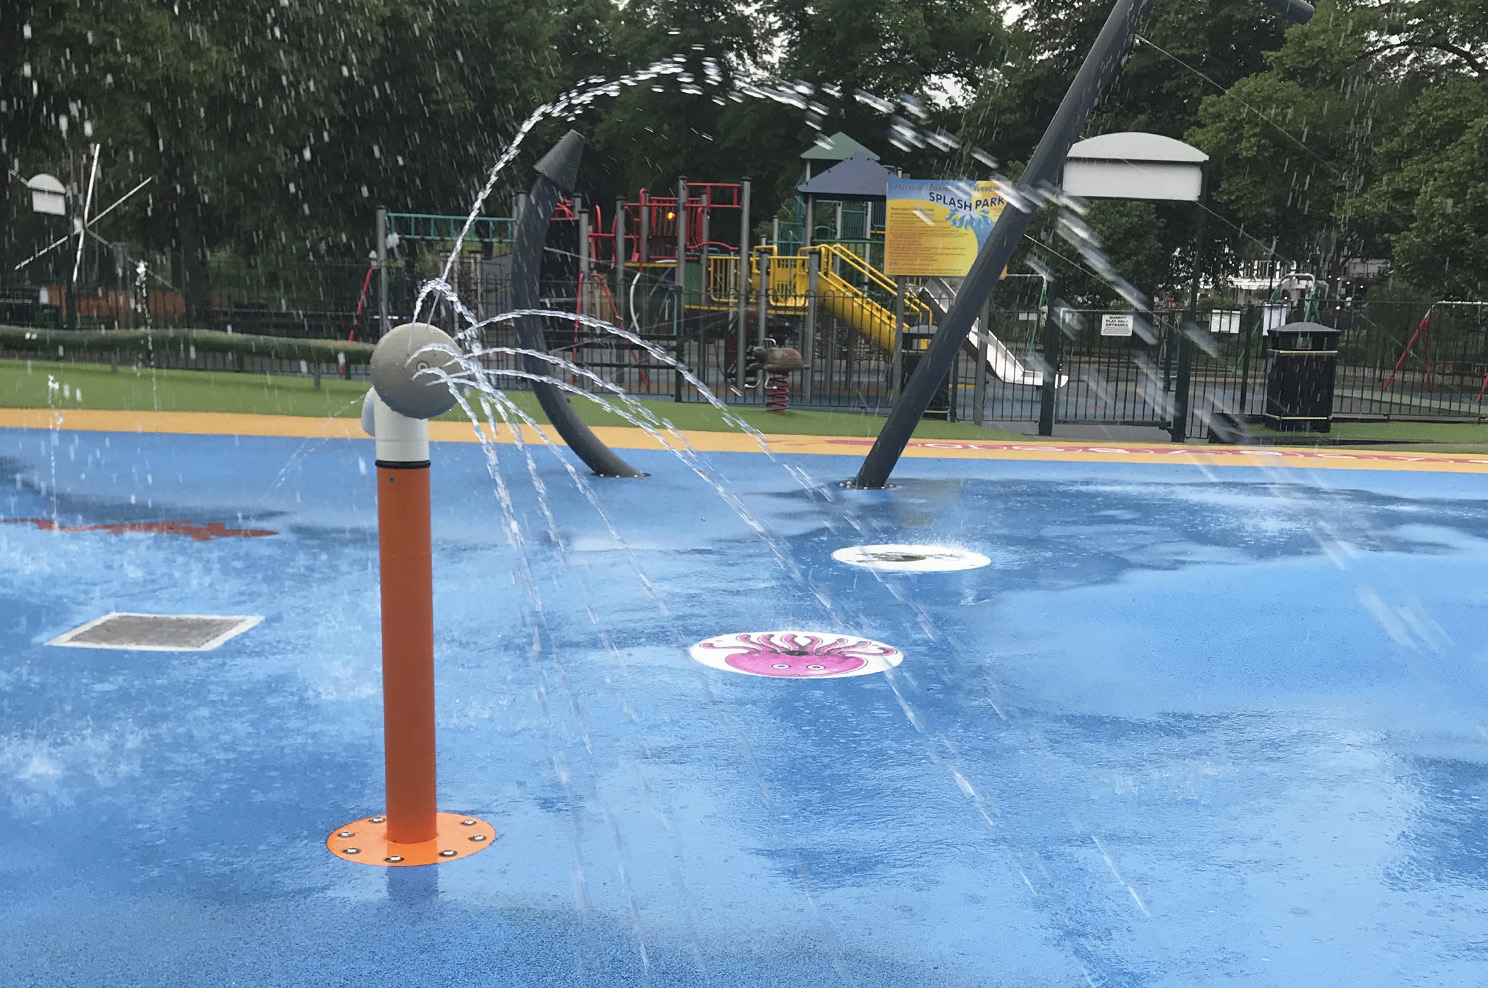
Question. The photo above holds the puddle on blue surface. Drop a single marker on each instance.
(1187, 727)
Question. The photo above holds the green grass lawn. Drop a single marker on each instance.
(1439, 437)
(23, 384)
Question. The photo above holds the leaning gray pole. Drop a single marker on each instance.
(556, 174)
(1095, 74)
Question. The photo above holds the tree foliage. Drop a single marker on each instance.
(272, 127)
(1288, 145)
(1186, 51)
(1373, 112)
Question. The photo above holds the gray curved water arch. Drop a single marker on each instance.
(556, 174)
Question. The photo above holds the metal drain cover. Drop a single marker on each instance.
(157, 632)
(911, 558)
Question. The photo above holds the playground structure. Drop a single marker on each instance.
(681, 270)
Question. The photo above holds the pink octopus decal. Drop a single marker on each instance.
(796, 654)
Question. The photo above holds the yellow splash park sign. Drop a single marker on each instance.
(936, 227)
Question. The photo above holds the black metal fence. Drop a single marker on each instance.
(189, 358)
(1396, 359)
(299, 298)
(1120, 367)
(691, 348)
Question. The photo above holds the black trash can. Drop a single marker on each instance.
(1299, 384)
(912, 346)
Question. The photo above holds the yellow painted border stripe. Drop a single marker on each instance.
(230, 424)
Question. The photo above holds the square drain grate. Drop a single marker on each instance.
(157, 632)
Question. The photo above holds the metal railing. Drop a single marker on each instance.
(1396, 359)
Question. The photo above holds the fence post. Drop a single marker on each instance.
(762, 310)
(645, 253)
(1053, 344)
(896, 363)
(519, 206)
(1179, 428)
(743, 319)
(808, 345)
(581, 214)
(620, 294)
(979, 389)
(680, 274)
(1244, 362)
(953, 387)
(1185, 332)
(1167, 355)
(382, 274)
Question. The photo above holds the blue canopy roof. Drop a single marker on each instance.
(859, 177)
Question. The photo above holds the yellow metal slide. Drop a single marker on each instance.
(846, 286)
(841, 283)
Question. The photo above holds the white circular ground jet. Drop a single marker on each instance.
(796, 654)
(911, 558)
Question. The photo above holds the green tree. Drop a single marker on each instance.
(651, 134)
(272, 128)
(1438, 38)
(1289, 145)
(1364, 138)
(1186, 51)
(933, 50)
(936, 52)
(432, 102)
(926, 48)
(1429, 197)
(212, 101)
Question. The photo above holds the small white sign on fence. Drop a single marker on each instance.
(1224, 321)
(1116, 324)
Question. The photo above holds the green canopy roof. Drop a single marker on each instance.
(838, 147)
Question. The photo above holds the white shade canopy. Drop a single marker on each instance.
(1135, 165)
(1134, 145)
(48, 195)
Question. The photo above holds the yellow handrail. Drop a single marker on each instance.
(789, 281)
(723, 278)
(915, 311)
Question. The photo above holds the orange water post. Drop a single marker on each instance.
(403, 543)
(412, 831)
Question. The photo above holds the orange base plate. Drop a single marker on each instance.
(365, 841)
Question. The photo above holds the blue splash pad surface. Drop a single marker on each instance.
(1190, 726)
